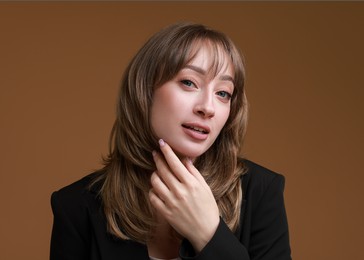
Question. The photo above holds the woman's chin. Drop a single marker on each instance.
(189, 153)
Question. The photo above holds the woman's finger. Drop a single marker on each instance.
(174, 163)
(165, 173)
(157, 203)
(193, 170)
(159, 187)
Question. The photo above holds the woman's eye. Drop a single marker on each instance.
(224, 95)
(187, 82)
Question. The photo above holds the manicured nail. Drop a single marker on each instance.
(161, 142)
(189, 160)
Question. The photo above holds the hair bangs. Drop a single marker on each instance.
(177, 51)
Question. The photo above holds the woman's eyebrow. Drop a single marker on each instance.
(203, 72)
(197, 69)
(227, 78)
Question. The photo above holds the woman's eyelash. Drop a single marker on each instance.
(187, 82)
(224, 94)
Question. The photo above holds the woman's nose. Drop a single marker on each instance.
(205, 106)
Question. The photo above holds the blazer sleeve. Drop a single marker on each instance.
(223, 245)
(268, 232)
(70, 234)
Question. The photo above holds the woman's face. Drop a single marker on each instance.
(189, 111)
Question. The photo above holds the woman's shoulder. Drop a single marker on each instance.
(78, 193)
(76, 209)
(257, 178)
(257, 171)
(81, 185)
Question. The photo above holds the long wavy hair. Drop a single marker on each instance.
(129, 163)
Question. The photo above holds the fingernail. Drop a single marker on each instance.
(154, 153)
(161, 142)
(189, 160)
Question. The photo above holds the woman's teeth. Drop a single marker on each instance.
(197, 129)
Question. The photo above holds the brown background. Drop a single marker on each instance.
(61, 65)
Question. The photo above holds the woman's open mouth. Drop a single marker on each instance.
(195, 128)
(196, 131)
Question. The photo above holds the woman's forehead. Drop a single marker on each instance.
(211, 57)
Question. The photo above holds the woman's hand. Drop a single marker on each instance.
(181, 195)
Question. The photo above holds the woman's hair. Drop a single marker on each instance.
(129, 164)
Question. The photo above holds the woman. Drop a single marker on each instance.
(173, 186)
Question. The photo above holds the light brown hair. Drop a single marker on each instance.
(129, 164)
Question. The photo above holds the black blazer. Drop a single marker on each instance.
(79, 228)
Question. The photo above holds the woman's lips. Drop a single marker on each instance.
(196, 131)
